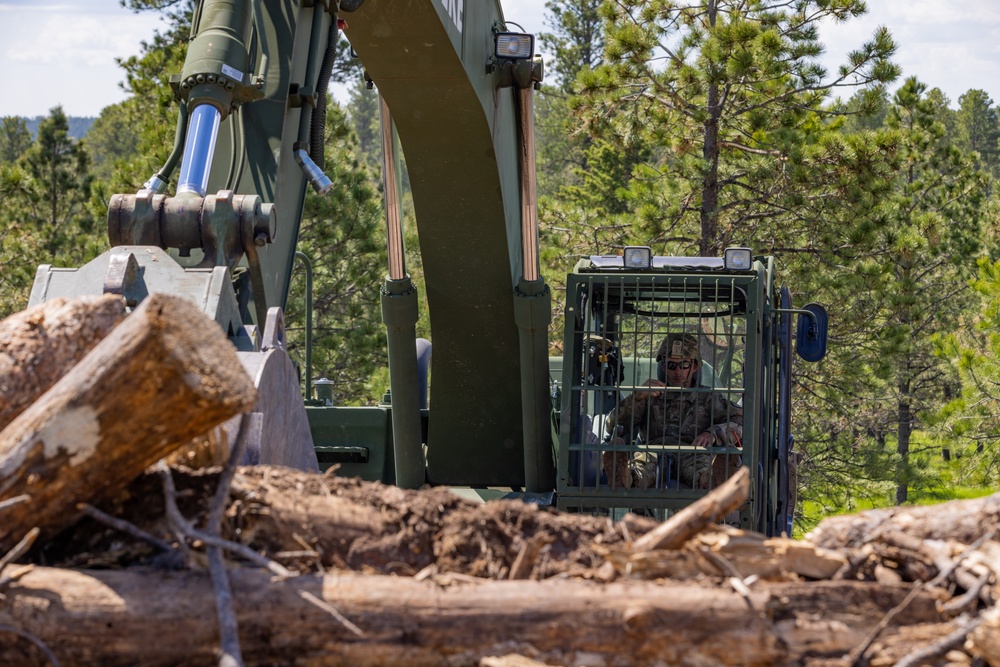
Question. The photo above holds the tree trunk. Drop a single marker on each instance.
(162, 377)
(962, 521)
(903, 433)
(40, 345)
(167, 618)
(708, 245)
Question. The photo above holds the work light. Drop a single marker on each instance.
(738, 259)
(514, 46)
(638, 257)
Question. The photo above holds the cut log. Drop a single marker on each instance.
(985, 641)
(959, 520)
(166, 618)
(41, 344)
(748, 554)
(691, 520)
(163, 376)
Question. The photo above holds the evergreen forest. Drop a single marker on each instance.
(685, 127)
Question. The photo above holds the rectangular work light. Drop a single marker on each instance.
(738, 259)
(638, 257)
(514, 46)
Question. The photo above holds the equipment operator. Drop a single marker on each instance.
(671, 417)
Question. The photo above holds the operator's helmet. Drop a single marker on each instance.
(678, 346)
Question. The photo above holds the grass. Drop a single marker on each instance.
(935, 481)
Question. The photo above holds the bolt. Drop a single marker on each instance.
(260, 240)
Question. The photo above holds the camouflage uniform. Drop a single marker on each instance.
(675, 417)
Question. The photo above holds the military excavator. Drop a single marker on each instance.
(504, 419)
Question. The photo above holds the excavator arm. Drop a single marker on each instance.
(249, 140)
(464, 123)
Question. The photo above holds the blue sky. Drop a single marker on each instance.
(64, 52)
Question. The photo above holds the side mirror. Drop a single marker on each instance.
(810, 335)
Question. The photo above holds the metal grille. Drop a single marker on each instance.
(629, 422)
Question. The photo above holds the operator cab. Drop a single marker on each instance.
(619, 311)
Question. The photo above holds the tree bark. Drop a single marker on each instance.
(694, 518)
(708, 245)
(41, 344)
(962, 521)
(166, 618)
(162, 377)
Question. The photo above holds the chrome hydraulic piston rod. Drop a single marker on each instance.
(199, 149)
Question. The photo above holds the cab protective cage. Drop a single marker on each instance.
(616, 319)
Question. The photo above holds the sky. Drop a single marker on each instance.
(64, 52)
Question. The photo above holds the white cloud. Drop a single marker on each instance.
(65, 54)
(930, 13)
(83, 41)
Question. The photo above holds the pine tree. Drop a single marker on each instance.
(341, 235)
(901, 281)
(970, 423)
(979, 128)
(59, 170)
(15, 139)
(731, 95)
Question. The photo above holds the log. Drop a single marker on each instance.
(306, 520)
(748, 554)
(691, 520)
(162, 377)
(41, 344)
(958, 520)
(159, 617)
(985, 640)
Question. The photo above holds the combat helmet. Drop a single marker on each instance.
(678, 345)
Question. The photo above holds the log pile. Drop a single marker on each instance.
(137, 563)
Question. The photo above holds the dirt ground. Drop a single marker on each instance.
(415, 530)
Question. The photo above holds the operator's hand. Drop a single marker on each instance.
(647, 393)
(706, 439)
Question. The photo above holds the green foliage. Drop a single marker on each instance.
(15, 139)
(971, 420)
(150, 108)
(577, 40)
(341, 236)
(20, 242)
(729, 98)
(363, 112)
(979, 128)
(901, 281)
(111, 139)
(44, 202)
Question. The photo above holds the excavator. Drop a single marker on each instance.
(500, 417)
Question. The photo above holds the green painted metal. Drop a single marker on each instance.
(217, 63)
(355, 439)
(307, 263)
(428, 59)
(399, 312)
(533, 309)
(255, 150)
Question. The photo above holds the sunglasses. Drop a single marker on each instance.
(683, 365)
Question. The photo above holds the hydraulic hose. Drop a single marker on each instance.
(158, 182)
(317, 129)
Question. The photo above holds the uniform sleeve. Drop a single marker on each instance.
(727, 420)
(629, 413)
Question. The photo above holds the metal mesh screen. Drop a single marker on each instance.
(656, 361)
